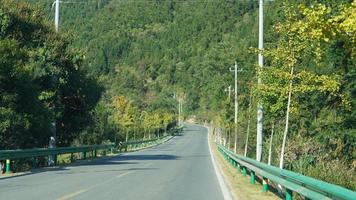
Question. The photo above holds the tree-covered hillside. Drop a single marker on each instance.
(41, 84)
(143, 53)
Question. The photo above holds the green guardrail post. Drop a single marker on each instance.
(289, 194)
(7, 167)
(265, 184)
(84, 155)
(238, 168)
(244, 171)
(71, 157)
(252, 177)
(95, 153)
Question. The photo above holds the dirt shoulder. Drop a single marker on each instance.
(239, 186)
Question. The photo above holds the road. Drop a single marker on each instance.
(180, 169)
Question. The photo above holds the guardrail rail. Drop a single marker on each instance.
(8, 155)
(306, 186)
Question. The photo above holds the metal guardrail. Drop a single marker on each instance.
(306, 186)
(141, 143)
(43, 152)
(28, 153)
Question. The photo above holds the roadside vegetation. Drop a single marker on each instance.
(117, 68)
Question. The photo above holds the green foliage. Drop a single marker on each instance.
(40, 82)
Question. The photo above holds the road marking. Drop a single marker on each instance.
(121, 175)
(225, 190)
(73, 194)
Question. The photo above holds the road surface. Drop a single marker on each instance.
(180, 169)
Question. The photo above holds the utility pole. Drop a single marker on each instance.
(236, 105)
(56, 17)
(179, 111)
(259, 105)
(229, 90)
(52, 159)
(178, 98)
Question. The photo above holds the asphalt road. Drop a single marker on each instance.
(180, 169)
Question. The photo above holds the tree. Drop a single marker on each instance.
(41, 81)
(167, 118)
(124, 114)
(301, 35)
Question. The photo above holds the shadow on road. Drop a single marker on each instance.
(104, 171)
(190, 130)
(149, 157)
(108, 161)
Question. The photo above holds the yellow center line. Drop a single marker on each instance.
(148, 164)
(73, 194)
(76, 193)
(121, 175)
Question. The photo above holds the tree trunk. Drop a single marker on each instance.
(270, 146)
(235, 142)
(228, 138)
(225, 137)
(248, 123)
(134, 134)
(220, 136)
(127, 135)
(281, 163)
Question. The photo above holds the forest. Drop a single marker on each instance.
(116, 70)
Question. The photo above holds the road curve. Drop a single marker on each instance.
(179, 169)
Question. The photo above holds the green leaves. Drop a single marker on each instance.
(4, 22)
(40, 82)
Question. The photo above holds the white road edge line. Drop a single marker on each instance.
(225, 190)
